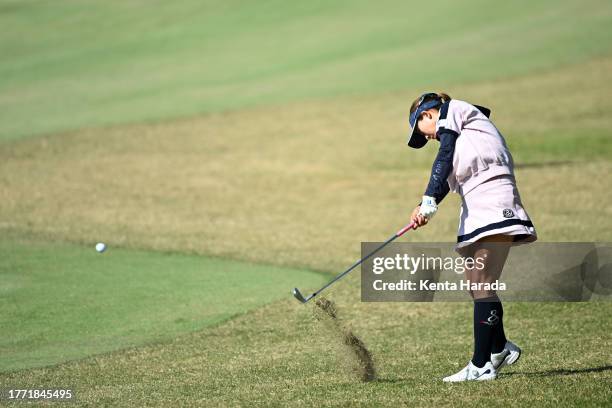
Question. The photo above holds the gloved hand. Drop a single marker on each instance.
(428, 207)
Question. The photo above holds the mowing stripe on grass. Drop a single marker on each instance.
(67, 65)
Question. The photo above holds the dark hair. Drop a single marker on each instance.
(443, 97)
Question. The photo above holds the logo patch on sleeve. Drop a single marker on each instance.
(508, 213)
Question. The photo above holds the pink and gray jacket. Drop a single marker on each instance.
(471, 152)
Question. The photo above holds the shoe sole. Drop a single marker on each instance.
(481, 378)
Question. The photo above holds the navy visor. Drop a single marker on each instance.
(417, 139)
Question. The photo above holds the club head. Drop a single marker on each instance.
(298, 295)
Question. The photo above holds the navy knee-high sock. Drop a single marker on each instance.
(499, 336)
(487, 315)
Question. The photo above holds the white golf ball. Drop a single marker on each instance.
(100, 247)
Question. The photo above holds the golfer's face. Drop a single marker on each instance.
(427, 124)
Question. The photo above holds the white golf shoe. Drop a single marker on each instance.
(508, 356)
(473, 373)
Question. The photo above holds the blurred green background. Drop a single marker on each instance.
(68, 65)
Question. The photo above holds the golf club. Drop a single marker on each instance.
(298, 295)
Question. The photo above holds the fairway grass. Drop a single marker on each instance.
(63, 302)
(67, 65)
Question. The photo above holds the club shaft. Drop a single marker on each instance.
(359, 262)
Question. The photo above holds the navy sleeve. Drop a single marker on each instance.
(443, 165)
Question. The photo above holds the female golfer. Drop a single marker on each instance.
(474, 161)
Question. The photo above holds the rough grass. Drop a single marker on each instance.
(280, 355)
(302, 185)
(67, 65)
(359, 358)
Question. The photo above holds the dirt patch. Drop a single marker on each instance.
(360, 356)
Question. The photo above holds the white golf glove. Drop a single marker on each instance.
(428, 207)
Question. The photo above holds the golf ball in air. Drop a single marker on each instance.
(100, 247)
